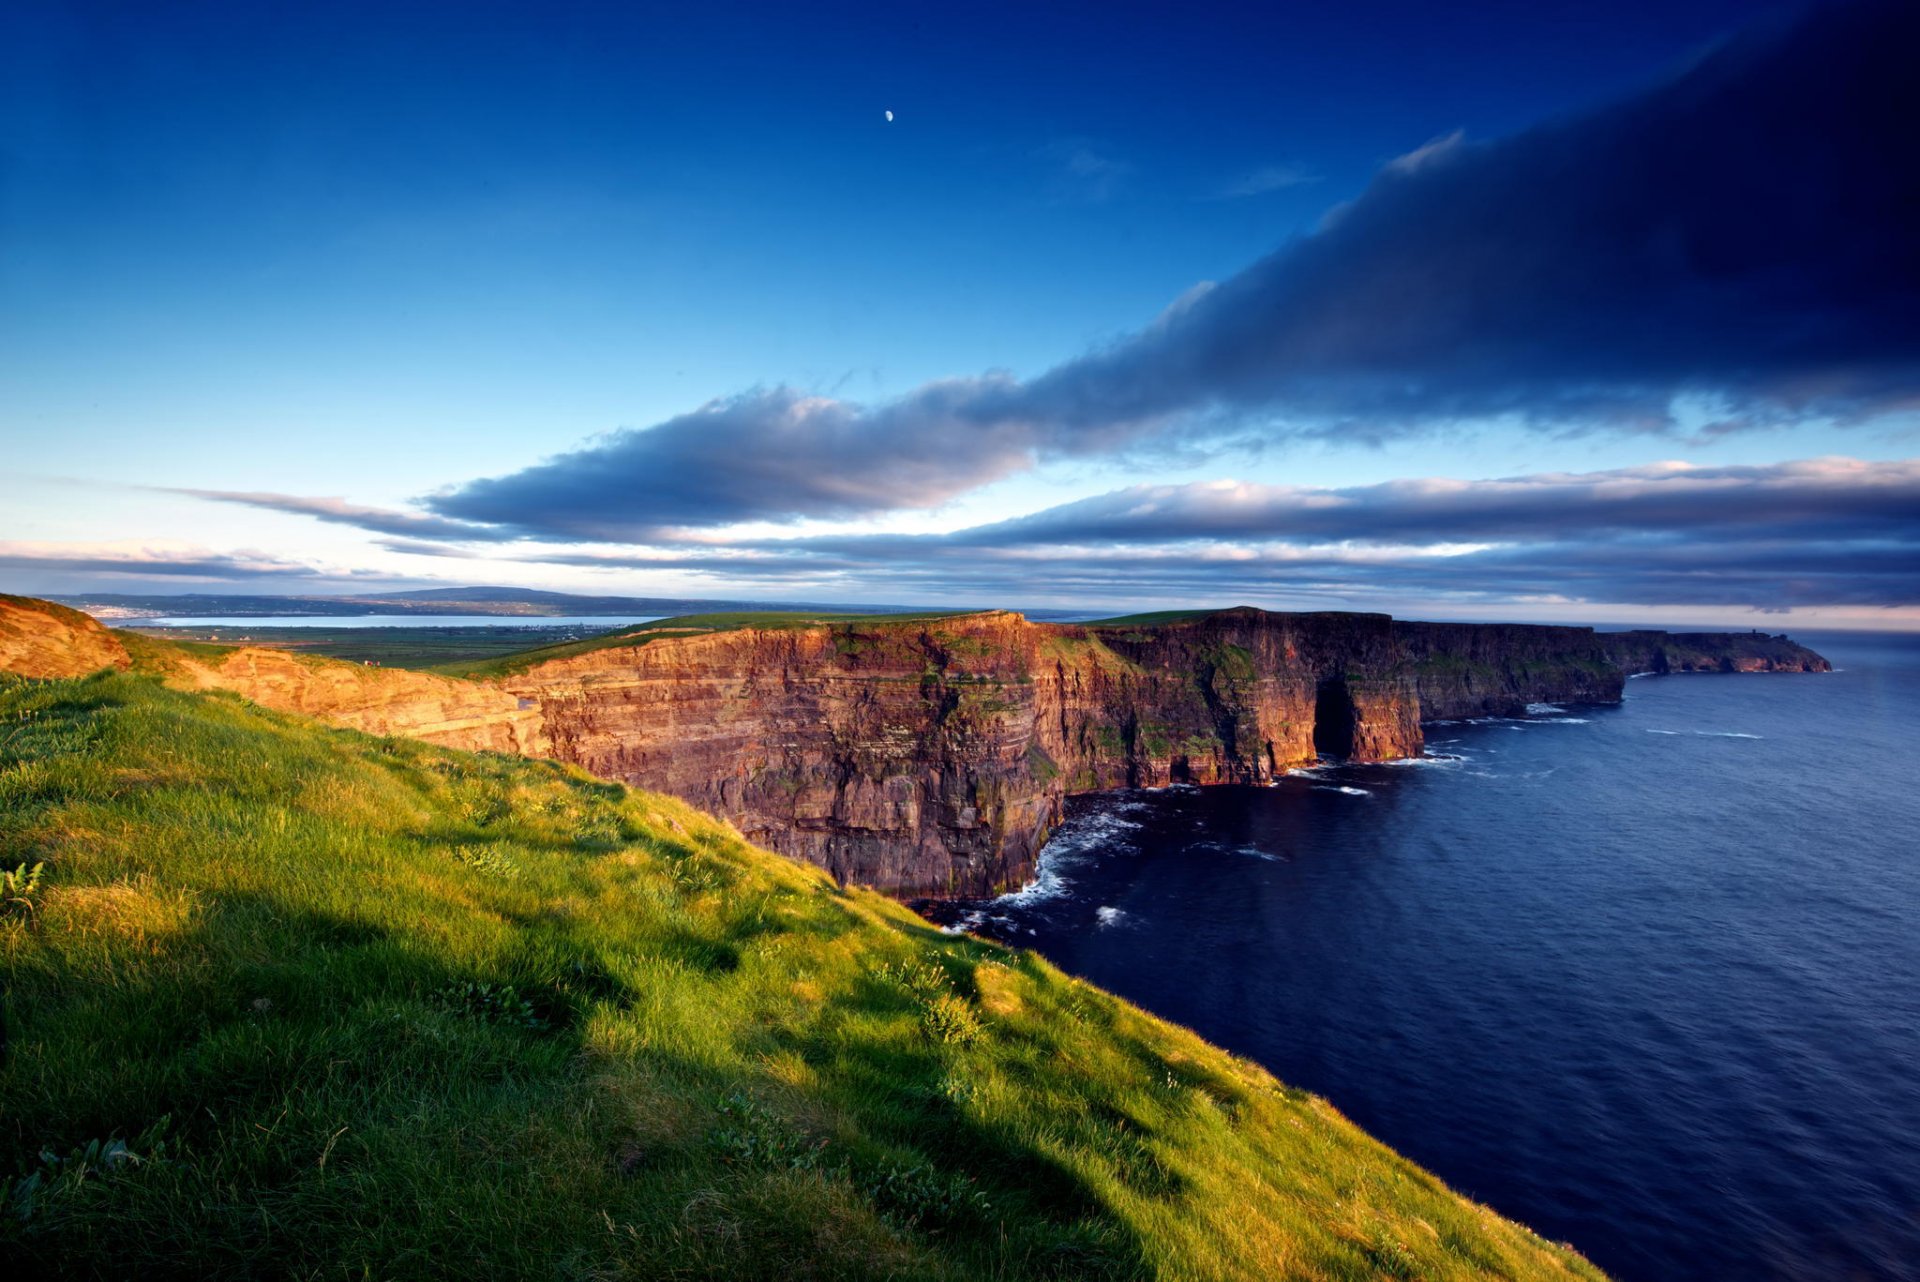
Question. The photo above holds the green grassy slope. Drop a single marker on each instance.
(292, 1001)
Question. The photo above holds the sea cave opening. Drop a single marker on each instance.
(1333, 719)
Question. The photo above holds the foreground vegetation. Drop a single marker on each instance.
(292, 1001)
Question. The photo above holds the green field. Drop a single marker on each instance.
(290, 1001)
(680, 625)
(420, 646)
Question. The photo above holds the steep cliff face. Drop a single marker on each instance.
(898, 756)
(1497, 669)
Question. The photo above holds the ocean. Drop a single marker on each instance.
(1645, 977)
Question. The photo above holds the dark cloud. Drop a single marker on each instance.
(338, 511)
(1739, 236)
(1822, 532)
(1815, 498)
(766, 453)
(91, 560)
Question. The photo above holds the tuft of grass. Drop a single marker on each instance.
(280, 1011)
(18, 888)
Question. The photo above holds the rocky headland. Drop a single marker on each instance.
(932, 756)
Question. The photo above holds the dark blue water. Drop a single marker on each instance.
(1646, 978)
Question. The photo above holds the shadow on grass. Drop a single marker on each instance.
(338, 1098)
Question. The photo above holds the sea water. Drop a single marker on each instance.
(1646, 977)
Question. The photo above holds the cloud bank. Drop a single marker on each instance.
(1819, 532)
(1738, 236)
(161, 561)
(337, 511)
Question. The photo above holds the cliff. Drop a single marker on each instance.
(1638, 652)
(933, 755)
(40, 639)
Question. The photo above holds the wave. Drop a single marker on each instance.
(1110, 916)
(1340, 787)
(1545, 710)
(1711, 734)
(1081, 837)
(1249, 851)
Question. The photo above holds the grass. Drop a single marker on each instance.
(1149, 619)
(424, 645)
(680, 625)
(294, 1001)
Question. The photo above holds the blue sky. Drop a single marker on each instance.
(368, 257)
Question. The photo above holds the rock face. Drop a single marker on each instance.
(383, 701)
(1495, 669)
(41, 639)
(1638, 652)
(932, 757)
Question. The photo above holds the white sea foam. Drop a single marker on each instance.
(1081, 838)
(1351, 792)
(1727, 734)
(1663, 732)
(1249, 851)
(1047, 884)
(1545, 710)
(1110, 916)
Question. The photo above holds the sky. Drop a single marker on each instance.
(1511, 310)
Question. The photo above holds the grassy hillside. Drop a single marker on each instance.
(291, 1001)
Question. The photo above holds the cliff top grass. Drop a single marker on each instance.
(292, 1001)
(1149, 619)
(677, 626)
